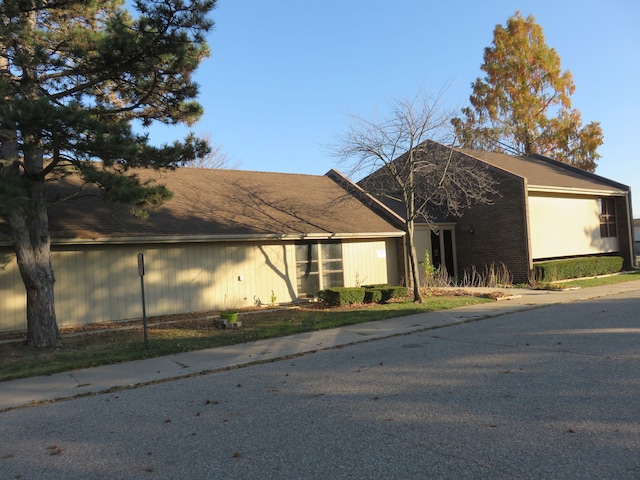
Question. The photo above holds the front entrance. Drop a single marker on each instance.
(442, 251)
(441, 247)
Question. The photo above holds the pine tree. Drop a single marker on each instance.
(523, 104)
(74, 75)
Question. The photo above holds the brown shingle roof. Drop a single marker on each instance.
(210, 202)
(545, 172)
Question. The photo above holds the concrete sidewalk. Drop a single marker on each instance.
(30, 391)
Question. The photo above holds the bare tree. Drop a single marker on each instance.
(403, 165)
(216, 158)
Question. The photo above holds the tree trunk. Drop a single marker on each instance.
(413, 262)
(30, 232)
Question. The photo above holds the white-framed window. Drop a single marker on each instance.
(318, 266)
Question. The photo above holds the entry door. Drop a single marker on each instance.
(440, 245)
(442, 250)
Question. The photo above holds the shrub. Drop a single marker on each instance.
(347, 295)
(432, 275)
(384, 293)
(373, 295)
(576, 268)
(341, 295)
(394, 292)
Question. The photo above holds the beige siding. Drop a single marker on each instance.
(422, 241)
(13, 303)
(369, 262)
(200, 277)
(566, 226)
(96, 285)
(101, 283)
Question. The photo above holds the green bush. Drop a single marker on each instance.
(576, 268)
(370, 294)
(373, 295)
(383, 293)
(393, 292)
(341, 295)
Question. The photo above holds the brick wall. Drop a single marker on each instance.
(496, 233)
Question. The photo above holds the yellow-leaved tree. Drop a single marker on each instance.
(523, 103)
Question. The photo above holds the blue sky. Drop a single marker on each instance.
(284, 74)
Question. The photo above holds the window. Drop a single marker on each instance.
(608, 226)
(331, 265)
(318, 266)
(307, 269)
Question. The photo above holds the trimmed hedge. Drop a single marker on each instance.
(348, 295)
(341, 296)
(576, 268)
(373, 295)
(394, 292)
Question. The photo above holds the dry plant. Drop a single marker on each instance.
(492, 275)
(440, 278)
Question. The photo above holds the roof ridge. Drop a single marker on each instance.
(239, 170)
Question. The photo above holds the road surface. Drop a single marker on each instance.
(548, 393)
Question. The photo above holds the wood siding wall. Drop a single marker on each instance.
(566, 226)
(101, 283)
(370, 262)
(12, 293)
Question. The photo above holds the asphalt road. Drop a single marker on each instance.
(548, 393)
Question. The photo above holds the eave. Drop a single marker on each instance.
(576, 191)
(174, 239)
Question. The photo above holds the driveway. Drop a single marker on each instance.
(551, 392)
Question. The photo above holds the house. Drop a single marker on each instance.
(544, 210)
(636, 234)
(227, 239)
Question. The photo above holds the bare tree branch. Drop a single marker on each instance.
(401, 161)
(217, 158)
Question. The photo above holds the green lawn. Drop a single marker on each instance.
(598, 281)
(123, 342)
(195, 332)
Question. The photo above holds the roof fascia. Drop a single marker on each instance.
(576, 191)
(219, 238)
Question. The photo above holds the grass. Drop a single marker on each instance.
(586, 282)
(598, 281)
(114, 343)
(121, 342)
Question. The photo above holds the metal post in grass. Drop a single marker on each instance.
(144, 309)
